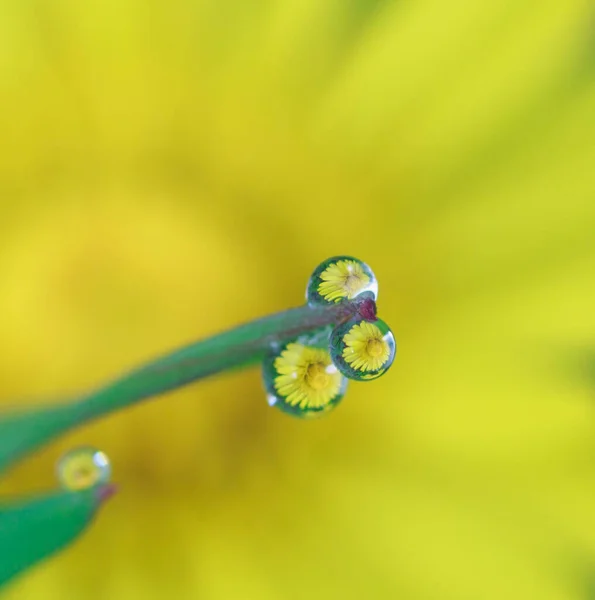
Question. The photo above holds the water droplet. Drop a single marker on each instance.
(339, 278)
(83, 468)
(362, 350)
(300, 380)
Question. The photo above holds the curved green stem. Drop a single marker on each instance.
(22, 432)
(235, 348)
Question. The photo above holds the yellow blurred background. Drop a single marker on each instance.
(171, 169)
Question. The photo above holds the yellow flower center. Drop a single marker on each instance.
(84, 477)
(375, 348)
(353, 283)
(316, 376)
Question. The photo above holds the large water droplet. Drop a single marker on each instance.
(301, 380)
(83, 468)
(340, 278)
(362, 350)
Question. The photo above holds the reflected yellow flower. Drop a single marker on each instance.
(365, 347)
(343, 279)
(171, 169)
(83, 468)
(306, 376)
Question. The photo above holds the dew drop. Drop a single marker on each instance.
(83, 468)
(340, 278)
(301, 380)
(362, 350)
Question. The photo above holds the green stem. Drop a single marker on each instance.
(235, 348)
(23, 432)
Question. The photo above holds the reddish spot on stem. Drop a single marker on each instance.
(367, 310)
(106, 492)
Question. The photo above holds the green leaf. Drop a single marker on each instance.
(33, 529)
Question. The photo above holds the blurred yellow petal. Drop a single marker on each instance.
(168, 170)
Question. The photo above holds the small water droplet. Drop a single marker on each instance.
(340, 278)
(362, 350)
(300, 379)
(83, 468)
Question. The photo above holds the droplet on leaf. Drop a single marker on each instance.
(83, 468)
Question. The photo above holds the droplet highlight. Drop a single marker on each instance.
(83, 468)
(362, 350)
(340, 278)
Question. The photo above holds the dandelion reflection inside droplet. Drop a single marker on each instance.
(82, 468)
